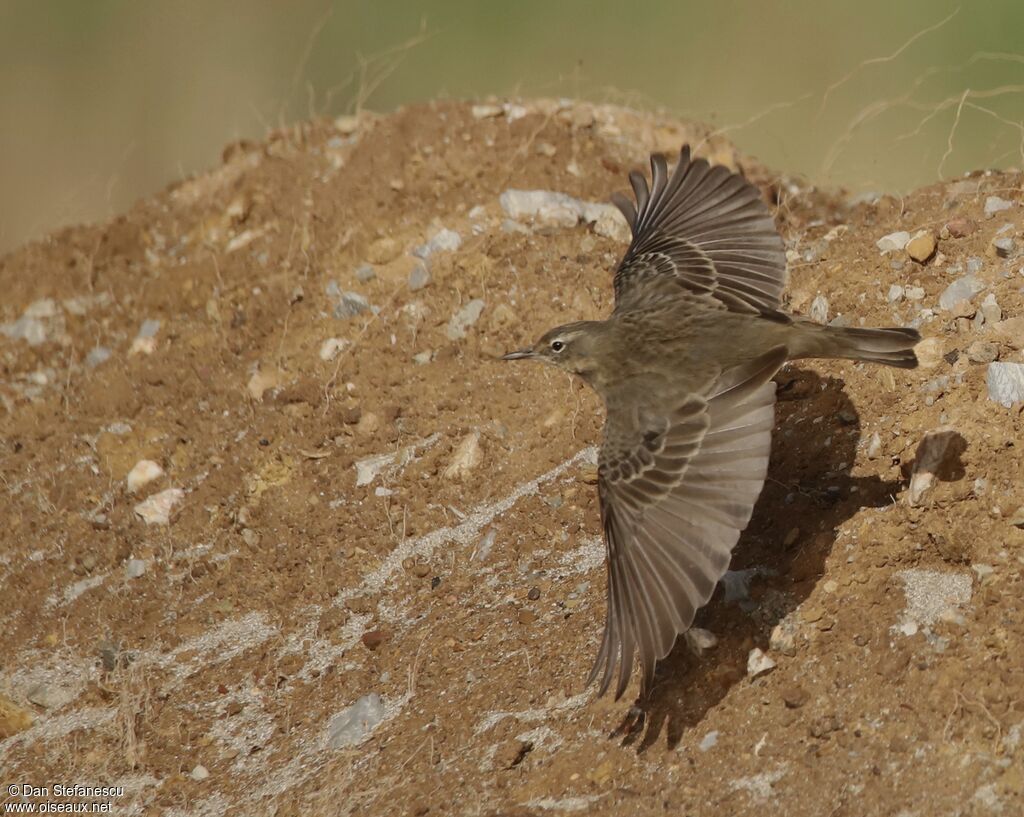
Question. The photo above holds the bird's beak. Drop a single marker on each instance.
(519, 354)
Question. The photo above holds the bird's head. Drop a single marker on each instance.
(570, 347)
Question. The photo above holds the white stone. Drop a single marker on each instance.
(143, 473)
(353, 725)
(467, 456)
(200, 773)
(1005, 383)
(368, 469)
(758, 663)
(819, 309)
(700, 641)
(157, 509)
(893, 241)
(331, 348)
(708, 741)
(134, 568)
(464, 318)
(486, 111)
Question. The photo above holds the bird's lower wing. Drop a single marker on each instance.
(670, 533)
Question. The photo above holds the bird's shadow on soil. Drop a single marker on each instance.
(808, 495)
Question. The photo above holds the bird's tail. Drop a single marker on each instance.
(893, 347)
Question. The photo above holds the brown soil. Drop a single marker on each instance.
(281, 592)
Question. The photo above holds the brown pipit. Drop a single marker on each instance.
(684, 366)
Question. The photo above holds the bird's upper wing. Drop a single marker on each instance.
(676, 490)
(704, 230)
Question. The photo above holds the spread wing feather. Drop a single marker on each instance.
(702, 229)
(676, 490)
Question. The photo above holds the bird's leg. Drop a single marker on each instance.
(632, 722)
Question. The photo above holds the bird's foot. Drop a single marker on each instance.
(632, 723)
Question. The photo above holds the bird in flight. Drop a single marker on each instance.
(684, 366)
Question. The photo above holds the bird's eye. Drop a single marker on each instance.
(557, 346)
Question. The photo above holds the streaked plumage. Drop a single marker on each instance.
(684, 366)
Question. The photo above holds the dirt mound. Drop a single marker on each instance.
(358, 570)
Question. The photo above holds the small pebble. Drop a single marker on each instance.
(700, 641)
(893, 241)
(468, 315)
(758, 663)
(963, 289)
(373, 639)
(935, 448)
(991, 310)
(96, 356)
(365, 273)
(1005, 383)
(143, 473)
(708, 741)
(48, 697)
(783, 638)
(134, 568)
(331, 347)
(994, 204)
(419, 277)
(819, 309)
(200, 773)
(921, 247)
(959, 228)
(353, 725)
(895, 294)
(350, 304)
(1002, 247)
(794, 696)
(157, 509)
(874, 447)
(982, 351)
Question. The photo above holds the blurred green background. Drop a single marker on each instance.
(103, 101)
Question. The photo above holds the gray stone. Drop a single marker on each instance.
(43, 308)
(982, 351)
(28, 329)
(962, 289)
(990, 309)
(350, 304)
(974, 265)
(365, 273)
(1005, 383)
(49, 697)
(134, 568)
(893, 241)
(149, 328)
(1004, 247)
(895, 294)
(96, 356)
(444, 240)
(559, 210)
(994, 204)
(419, 277)
(465, 318)
(708, 741)
(353, 725)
